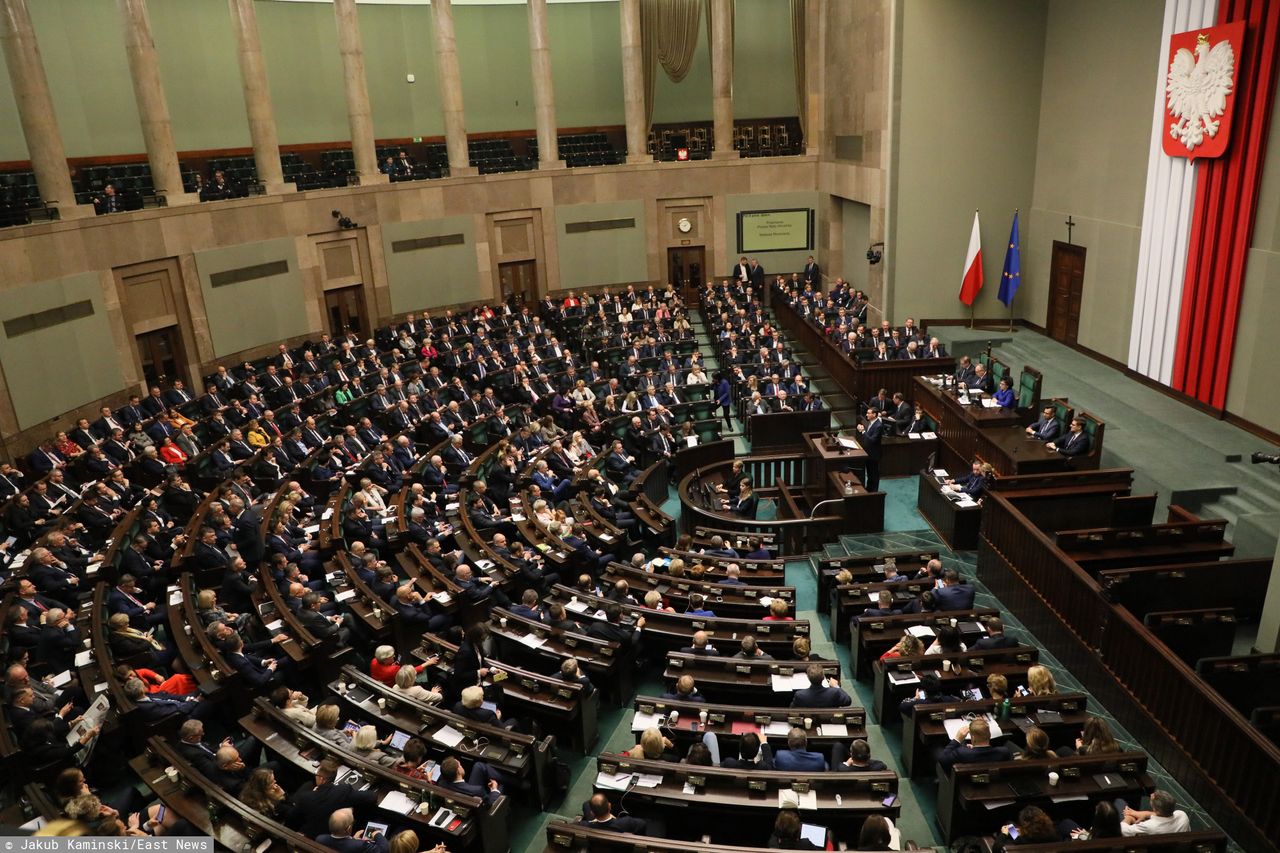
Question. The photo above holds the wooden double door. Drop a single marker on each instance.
(686, 270)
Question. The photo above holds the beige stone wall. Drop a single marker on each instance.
(123, 249)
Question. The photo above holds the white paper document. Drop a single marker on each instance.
(447, 735)
(533, 641)
(648, 780)
(920, 631)
(397, 802)
(613, 781)
(789, 799)
(833, 730)
(346, 595)
(777, 728)
(83, 658)
(642, 721)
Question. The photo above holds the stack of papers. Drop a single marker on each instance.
(447, 735)
(783, 683)
(642, 721)
(345, 596)
(777, 728)
(990, 403)
(533, 641)
(576, 607)
(928, 435)
(833, 730)
(920, 631)
(397, 802)
(648, 780)
(954, 725)
(900, 678)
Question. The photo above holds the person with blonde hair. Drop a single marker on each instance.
(365, 743)
(327, 719)
(1040, 681)
(778, 611)
(407, 685)
(653, 746)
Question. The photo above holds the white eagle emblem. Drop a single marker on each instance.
(1198, 87)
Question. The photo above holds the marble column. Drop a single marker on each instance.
(257, 96)
(544, 94)
(455, 123)
(359, 115)
(153, 109)
(35, 109)
(633, 84)
(722, 78)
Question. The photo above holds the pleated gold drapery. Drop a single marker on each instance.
(668, 37)
(797, 59)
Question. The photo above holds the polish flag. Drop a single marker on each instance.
(972, 282)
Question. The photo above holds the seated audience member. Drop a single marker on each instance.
(1040, 681)
(953, 595)
(786, 833)
(1037, 746)
(654, 746)
(1046, 427)
(1096, 739)
(856, 759)
(598, 814)
(1106, 824)
(686, 690)
(701, 645)
(797, 757)
(979, 749)
(340, 837)
(995, 638)
(823, 691)
(909, 646)
(1033, 827)
(1075, 443)
(751, 649)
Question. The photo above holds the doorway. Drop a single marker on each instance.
(519, 281)
(1066, 289)
(685, 267)
(160, 352)
(346, 310)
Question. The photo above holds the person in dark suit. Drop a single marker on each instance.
(742, 271)
(797, 758)
(686, 690)
(481, 782)
(872, 433)
(856, 758)
(995, 638)
(259, 672)
(701, 646)
(598, 814)
(903, 414)
(752, 754)
(340, 837)
(316, 801)
(109, 202)
(1075, 443)
(1047, 427)
(612, 629)
(975, 482)
(59, 641)
(747, 504)
(979, 749)
(953, 595)
(980, 381)
(818, 696)
(930, 691)
(812, 273)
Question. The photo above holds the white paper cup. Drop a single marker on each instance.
(171, 773)
(808, 722)
(1053, 778)
(382, 704)
(946, 666)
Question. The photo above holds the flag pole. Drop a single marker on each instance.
(975, 213)
(1015, 217)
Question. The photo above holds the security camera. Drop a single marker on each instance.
(874, 253)
(1259, 458)
(344, 222)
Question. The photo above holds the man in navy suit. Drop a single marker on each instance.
(316, 801)
(995, 638)
(127, 598)
(1045, 429)
(598, 814)
(953, 595)
(258, 672)
(872, 434)
(1076, 442)
(481, 781)
(796, 758)
(818, 696)
(979, 749)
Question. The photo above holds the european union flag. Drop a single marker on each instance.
(1012, 276)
